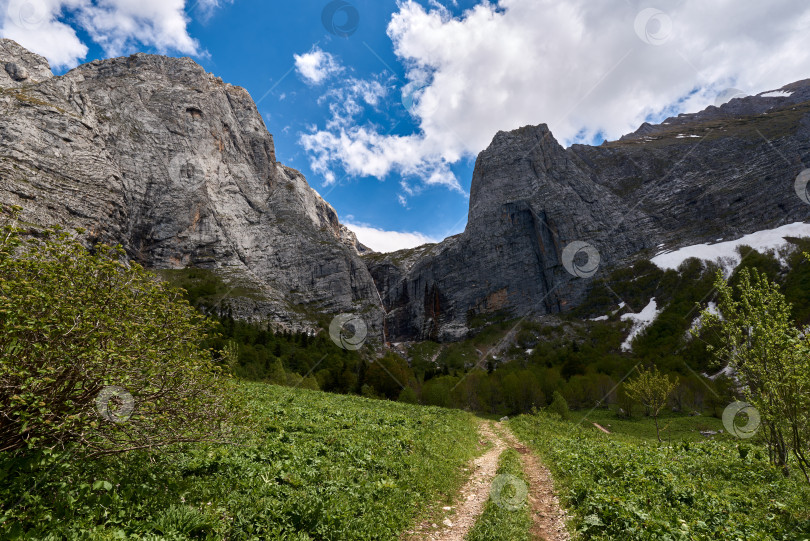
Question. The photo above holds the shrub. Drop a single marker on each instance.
(99, 353)
(559, 405)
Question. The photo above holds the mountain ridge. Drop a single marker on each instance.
(156, 154)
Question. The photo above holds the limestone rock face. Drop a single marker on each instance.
(722, 173)
(177, 166)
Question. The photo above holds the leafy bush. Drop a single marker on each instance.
(559, 406)
(98, 353)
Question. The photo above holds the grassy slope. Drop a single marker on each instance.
(311, 466)
(624, 486)
(674, 427)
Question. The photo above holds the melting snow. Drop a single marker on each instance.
(725, 253)
(698, 321)
(641, 321)
(600, 318)
(775, 94)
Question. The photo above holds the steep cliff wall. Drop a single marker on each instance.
(721, 173)
(177, 166)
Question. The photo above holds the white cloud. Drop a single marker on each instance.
(118, 26)
(387, 241)
(578, 66)
(316, 66)
(364, 152)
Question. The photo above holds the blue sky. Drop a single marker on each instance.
(329, 78)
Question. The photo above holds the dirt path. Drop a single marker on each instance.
(472, 498)
(548, 518)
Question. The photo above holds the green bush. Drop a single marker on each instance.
(97, 352)
(559, 405)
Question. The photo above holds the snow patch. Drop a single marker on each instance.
(698, 321)
(775, 94)
(725, 253)
(600, 318)
(641, 321)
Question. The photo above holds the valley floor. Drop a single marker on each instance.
(311, 465)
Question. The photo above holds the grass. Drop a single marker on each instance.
(205, 286)
(506, 515)
(627, 487)
(675, 427)
(308, 465)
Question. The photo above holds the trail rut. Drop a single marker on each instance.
(548, 518)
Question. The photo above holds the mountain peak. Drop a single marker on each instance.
(20, 66)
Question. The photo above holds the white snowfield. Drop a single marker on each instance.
(641, 321)
(775, 94)
(725, 253)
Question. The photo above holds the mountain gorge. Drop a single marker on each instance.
(178, 167)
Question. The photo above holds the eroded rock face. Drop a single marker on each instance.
(177, 166)
(721, 173)
(20, 65)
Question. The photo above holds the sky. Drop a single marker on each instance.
(385, 104)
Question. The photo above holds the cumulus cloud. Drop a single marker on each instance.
(316, 66)
(118, 26)
(380, 240)
(590, 70)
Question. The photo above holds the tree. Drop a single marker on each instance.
(276, 373)
(408, 396)
(771, 358)
(652, 390)
(559, 405)
(389, 374)
(98, 353)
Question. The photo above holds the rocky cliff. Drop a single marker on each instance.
(536, 209)
(177, 166)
